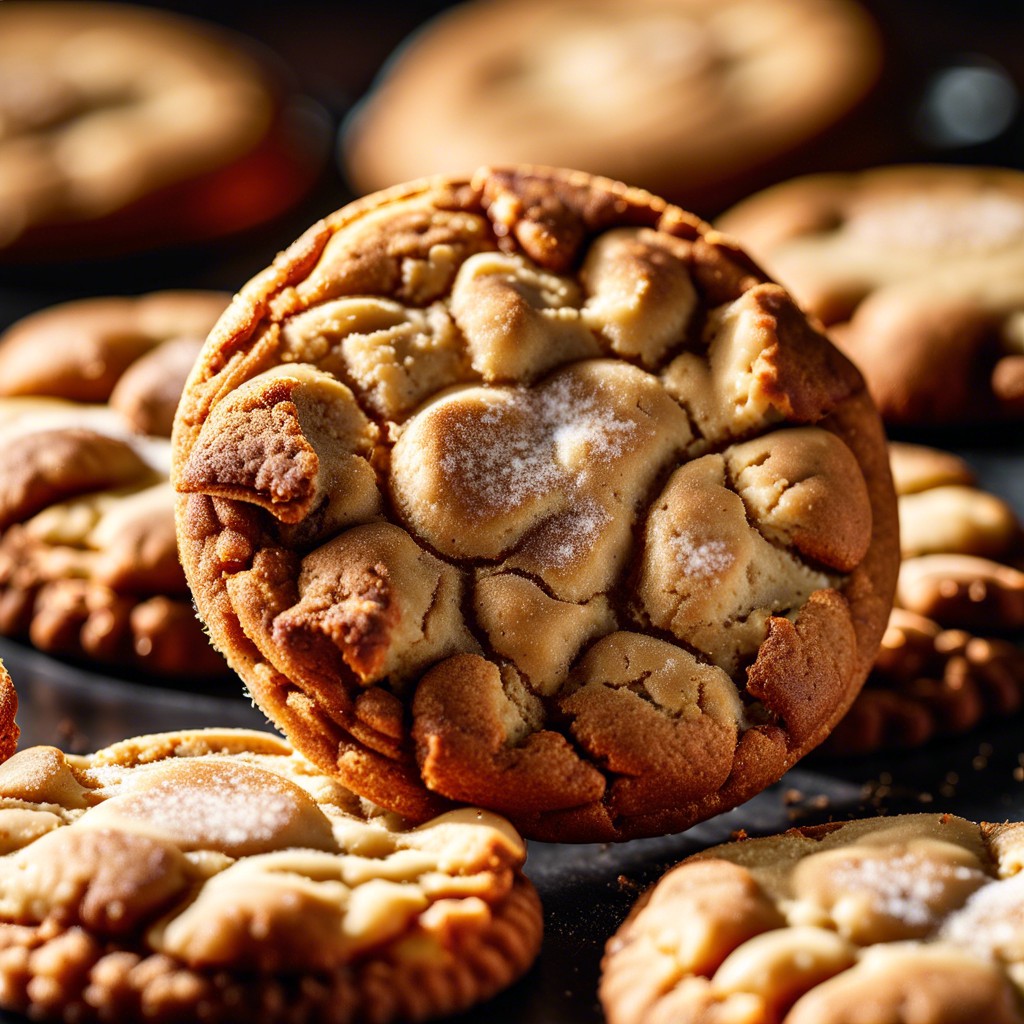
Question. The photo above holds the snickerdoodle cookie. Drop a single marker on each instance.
(918, 274)
(528, 490)
(124, 127)
(88, 559)
(215, 875)
(906, 919)
(689, 98)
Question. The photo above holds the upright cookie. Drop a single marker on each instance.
(689, 98)
(527, 491)
(88, 559)
(948, 658)
(123, 127)
(896, 920)
(215, 875)
(918, 272)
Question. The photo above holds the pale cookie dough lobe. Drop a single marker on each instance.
(457, 473)
(902, 920)
(218, 875)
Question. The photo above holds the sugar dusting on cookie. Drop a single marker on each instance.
(701, 558)
(529, 443)
(908, 887)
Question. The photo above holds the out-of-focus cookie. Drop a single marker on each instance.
(933, 674)
(905, 919)
(216, 875)
(123, 127)
(689, 98)
(528, 491)
(88, 557)
(918, 273)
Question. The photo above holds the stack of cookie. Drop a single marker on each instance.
(88, 560)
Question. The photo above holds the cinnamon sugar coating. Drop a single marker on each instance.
(914, 918)
(471, 452)
(216, 874)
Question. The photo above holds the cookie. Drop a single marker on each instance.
(528, 491)
(88, 557)
(960, 544)
(934, 674)
(9, 731)
(911, 918)
(688, 98)
(216, 875)
(125, 128)
(916, 272)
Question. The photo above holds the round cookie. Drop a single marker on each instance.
(917, 273)
(215, 875)
(898, 920)
(528, 491)
(88, 558)
(934, 674)
(123, 127)
(689, 98)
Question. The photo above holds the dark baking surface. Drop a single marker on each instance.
(333, 50)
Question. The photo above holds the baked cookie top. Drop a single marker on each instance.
(528, 490)
(216, 874)
(88, 557)
(105, 106)
(910, 918)
(917, 273)
(683, 97)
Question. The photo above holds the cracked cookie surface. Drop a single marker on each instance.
(916, 273)
(487, 482)
(88, 557)
(905, 919)
(216, 874)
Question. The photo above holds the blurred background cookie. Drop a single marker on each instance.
(918, 274)
(88, 559)
(948, 659)
(123, 127)
(689, 98)
(529, 491)
(915, 917)
(215, 875)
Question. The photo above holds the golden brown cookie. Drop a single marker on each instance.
(528, 491)
(123, 127)
(9, 731)
(215, 875)
(917, 273)
(88, 557)
(689, 98)
(903, 920)
(933, 674)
